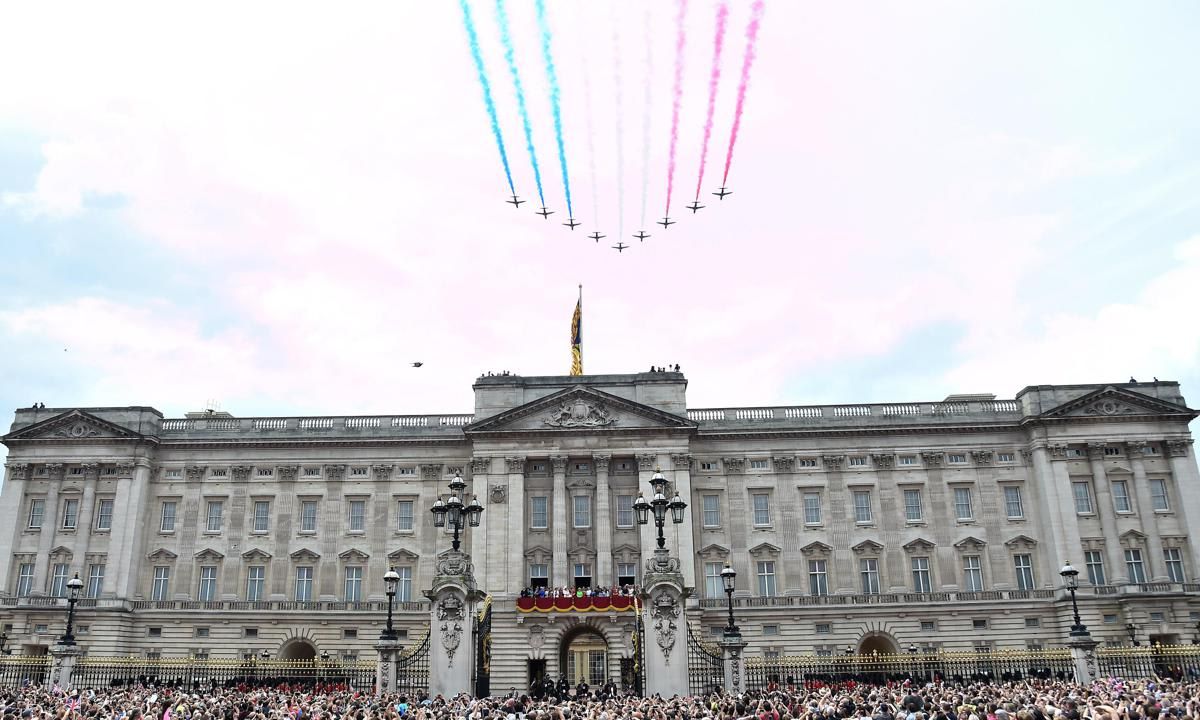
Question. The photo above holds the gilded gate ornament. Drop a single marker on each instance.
(665, 611)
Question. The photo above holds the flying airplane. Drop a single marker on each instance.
(723, 193)
(596, 236)
(515, 202)
(666, 221)
(418, 364)
(571, 223)
(620, 247)
(695, 206)
(641, 235)
(544, 212)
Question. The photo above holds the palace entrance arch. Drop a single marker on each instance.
(878, 643)
(298, 650)
(583, 656)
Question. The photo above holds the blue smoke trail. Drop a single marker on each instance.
(552, 78)
(473, 38)
(506, 38)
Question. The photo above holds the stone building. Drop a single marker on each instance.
(868, 527)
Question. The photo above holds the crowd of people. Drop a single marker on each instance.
(577, 592)
(1110, 699)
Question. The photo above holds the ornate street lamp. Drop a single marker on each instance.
(1070, 577)
(912, 648)
(265, 654)
(1132, 630)
(659, 505)
(728, 578)
(455, 512)
(73, 587)
(390, 579)
(849, 650)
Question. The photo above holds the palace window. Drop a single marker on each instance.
(58, 580)
(1112, 451)
(857, 461)
(160, 589)
(358, 516)
(583, 575)
(1120, 493)
(712, 510)
(404, 586)
(406, 470)
(625, 511)
(812, 508)
(766, 578)
(167, 517)
(962, 504)
(308, 516)
(758, 464)
(956, 459)
(173, 474)
(207, 590)
(972, 573)
(353, 584)
(37, 511)
(710, 465)
(1083, 498)
(539, 575)
(1023, 565)
(1135, 566)
(1005, 457)
(583, 511)
(304, 583)
(215, 510)
(104, 514)
(70, 517)
(818, 578)
(912, 505)
(807, 462)
(626, 573)
(823, 628)
(920, 574)
(762, 509)
(312, 472)
(770, 629)
(1033, 622)
(1094, 561)
(537, 512)
(262, 516)
(713, 586)
(95, 584)
(360, 471)
(862, 506)
(908, 460)
(929, 626)
(979, 624)
(256, 580)
(1158, 495)
(404, 515)
(868, 569)
(1013, 507)
(1174, 560)
(25, 580)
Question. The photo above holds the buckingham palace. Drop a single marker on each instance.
(851, 528)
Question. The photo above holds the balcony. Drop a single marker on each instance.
(990, 412)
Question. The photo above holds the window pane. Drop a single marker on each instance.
(912, 505)
(404, 515)
(1012, 502)
(1023, 565)
(962, 504)
(104, 515)
(1158, 494)
(972, 573)
(920, 573)
(95, 584)
(358, 515)
(353, 584)
(58, 582)
(70, 514)
(37, 511)
(1083, 498)
(625, 511)
(818, 583)
(255, 578)
(812, 508)
(762, 509)
(1133, 563)
(161, 588)
(168, 517)
(1120, 491)
(712, 510)
(1174, 561)
(1095, 567)
(262, 515)
(537, 512)
(869, 570)
(713, 586)
(215, 509)
(308, 516)
(25, 580)
(862, 506)
(766, 578)
(583, 511)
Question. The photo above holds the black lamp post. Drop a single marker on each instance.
(849, 650)
(660, 504)
(912, 648)
(454, 511)
(265, 654)
(728, 578)
(73, 587)
(390, 579)
(1070, 577)
(1132, 630)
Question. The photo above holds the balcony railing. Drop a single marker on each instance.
(990, 410)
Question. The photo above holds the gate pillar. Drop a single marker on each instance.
(63, 659)
(453, 598)
(733, 647)
(1083, 655)
(385, 669)
(663, 593)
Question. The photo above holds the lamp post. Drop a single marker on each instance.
(1132, 630)
(454, 511)
(1070, 577)
(1195, 639)
(390, 579)
(912, 648)
(73, 587)
(660, 504)
(728, 578)
(849, 650)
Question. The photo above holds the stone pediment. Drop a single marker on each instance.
(764, 549)
(402, 555)
(970, 542)
(580, 409)
(1111, 403)
(208, 554)
(304, 554)
(353, 555)
(72, 426)
(162, 554)
(814, 548)
(628, 548)
(1133, 536)
(714, 552)
(867, 547)
(61, 551)
(256, 554)
(1021, 542)
(918, 545)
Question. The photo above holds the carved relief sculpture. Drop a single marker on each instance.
(681, 461)
(431, 472)
(559, 463)
(833, 462)
(240, 473)
(1110, 407)
(77, 430)
(335, 472)
(601, 462)
(450, 615)
(664, 611)
(786, 463)
(647, 462)
(515, 464)
(883, 461)
(1178, 448)
(734, 464)
(499, 493)
(580, 413)
(480, 465)
(195, 473)
(932, 458)
(288, 473)
(982, 457)
(125, 470)
(382, 472)
(1096, 450)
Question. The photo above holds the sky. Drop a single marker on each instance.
(276, 208)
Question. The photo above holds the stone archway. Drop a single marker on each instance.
(880, 643)
(298, 649)
(583, 656)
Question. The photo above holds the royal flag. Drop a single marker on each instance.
(577, 336)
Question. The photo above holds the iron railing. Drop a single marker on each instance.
(999, 665)
(194, 673)
(1174, 661)
(18, 670)
(706, 665)
(412, 668)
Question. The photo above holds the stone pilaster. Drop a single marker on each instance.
(1113, 561)
(12, 505)
(453, 598)
(87, 510)
(126, 539)
(647, 463)
(1052, 478)
(663, 595)
(560, 526)
(518, 575)
(604, 523)
(485, 546)
(683, 541)
(1156, 567)
(1185, 498)
(51, 522)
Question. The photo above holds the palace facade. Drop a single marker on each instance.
(864, 527)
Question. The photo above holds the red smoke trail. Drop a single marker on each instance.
(677, 97)
(714, 80)
(756, 13)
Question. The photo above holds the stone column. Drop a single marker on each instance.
(127, 537)
(1053, 479)
(484, 537)
(87, 510)
(1113, 560)
(604, 523)
(559, 526)
(385, 669)
(663, 594)
(50, 524)
(683, 542)
(62, 664)
(733, 647)
(1083, 654)
(12, 506)
(518, 575)
(1185, 496)
(1156, 567)
(646, 462)
(453, 598)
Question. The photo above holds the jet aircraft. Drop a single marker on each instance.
(695, 206)
(597, 236)
(641, 235)
(620, 247)
(544, 212)
(666, 221)
(571, 223)
(723, 193)
(515, 202)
